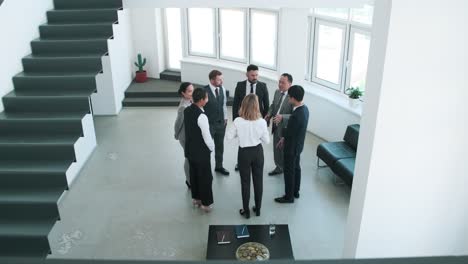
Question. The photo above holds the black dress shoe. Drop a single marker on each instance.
(256, 211)
(283, 200)
(188, 184)
(222, 171)
(296, 195)
(237, 167)
(276, 171)
(244, 213)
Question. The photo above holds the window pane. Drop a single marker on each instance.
(363, 15)
(360, 57)
(263, 38)
(329, 52)
(232, 33)
(341, 13)
(174, 37)
(201, 30)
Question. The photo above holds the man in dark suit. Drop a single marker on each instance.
(251, 85)
(279, 112)
(216, 110)
(293, 143)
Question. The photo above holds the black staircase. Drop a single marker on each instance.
(158, 92)
(43, 120)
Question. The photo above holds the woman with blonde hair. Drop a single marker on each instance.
(251, 130)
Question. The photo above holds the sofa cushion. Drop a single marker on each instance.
(352, 135)
(330, 152)
(344, 168)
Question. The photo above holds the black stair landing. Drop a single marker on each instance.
(156, 92)
(42, 120)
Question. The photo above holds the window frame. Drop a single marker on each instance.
(215, 36)
(251, 61)
(350, 27)
(246, 36)
(343, 54)
(352, 30)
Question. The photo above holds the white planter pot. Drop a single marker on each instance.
(354, 102)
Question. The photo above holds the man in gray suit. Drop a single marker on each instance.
(279, 112)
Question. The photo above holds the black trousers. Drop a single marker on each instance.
(217, 132)
(292, 175)
(201, 179)
(250, 160)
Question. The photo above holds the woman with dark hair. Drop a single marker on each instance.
(185, 91)
(252, 131)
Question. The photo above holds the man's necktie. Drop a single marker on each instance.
(217, 92)
(274, 127)
(251, 88)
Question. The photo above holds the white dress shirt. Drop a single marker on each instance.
(213, 89)
(250, 133)
(204, 126)
(284, 96)
(247, 88)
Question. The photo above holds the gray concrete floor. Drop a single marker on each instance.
(130, 200)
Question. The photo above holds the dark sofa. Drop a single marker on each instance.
(340, 156)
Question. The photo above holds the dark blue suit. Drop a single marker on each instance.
(294, 136)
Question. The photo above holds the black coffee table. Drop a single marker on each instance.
(279, 244)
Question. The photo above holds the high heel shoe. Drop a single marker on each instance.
(256, 211)
(206, 209)
(244, 213)
(196, 203)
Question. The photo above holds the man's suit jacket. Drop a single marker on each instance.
(261, 91)
(285, 111)
(294, 134)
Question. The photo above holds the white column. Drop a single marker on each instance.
(409, 196)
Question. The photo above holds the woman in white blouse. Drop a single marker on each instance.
(252, 131)
(185, 91)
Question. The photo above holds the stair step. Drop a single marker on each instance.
(82, 16)
(170, 75)
(76, 31)
(41, 64)
(81, 4)
(146, 94)
(152, 101)
(40, 123)
(85, 47)
(25, 238)
(17, 102)
(34, 147)
(56, 82)
(29, 204)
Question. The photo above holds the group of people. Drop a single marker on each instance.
(201, 126)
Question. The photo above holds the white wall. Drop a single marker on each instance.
(145, 39)
(414, 200)
(17, 34)
(117, 69)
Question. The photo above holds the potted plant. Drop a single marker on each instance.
(141, 76)
(354, 94)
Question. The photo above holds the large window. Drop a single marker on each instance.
(233, 28)
(173, 37)
(234, 34)
(202, 31)
(263, 38)
(339, 43)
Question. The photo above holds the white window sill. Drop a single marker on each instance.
(231, 65)
(340, 100)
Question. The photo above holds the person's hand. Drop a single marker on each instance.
(277, 119)
(267, 118)
(280, 144)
